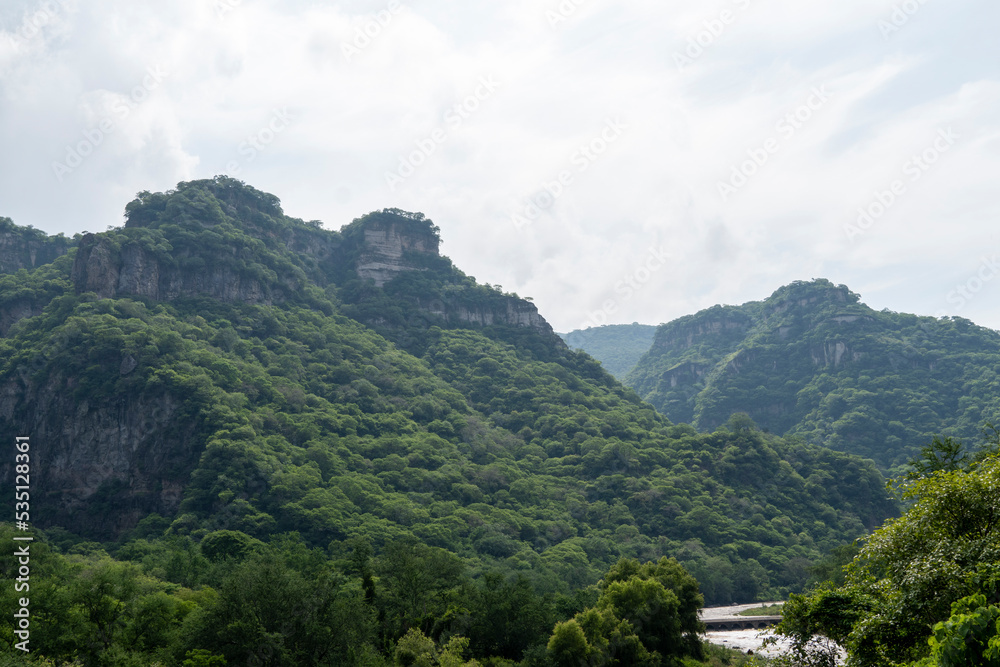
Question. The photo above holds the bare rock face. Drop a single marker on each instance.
(716, 326)
(99, 467)
(16, 310)
(390, 247)
(133, 271)
(385, 246)
(26, 248)
(511, 312)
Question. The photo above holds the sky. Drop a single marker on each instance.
(615, 161)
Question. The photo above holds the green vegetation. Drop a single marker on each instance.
(813, 361)
(925, 588)
(27, 247)
(764, 610)
(617, 346)
(321, 471)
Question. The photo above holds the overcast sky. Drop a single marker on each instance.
(617, 161)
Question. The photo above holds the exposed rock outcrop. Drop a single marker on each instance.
(501, 310)
(715, 326)
(393, 242)
(27, 248)
(103, 466)
(110, 272)
(386, 244)
(12, 312)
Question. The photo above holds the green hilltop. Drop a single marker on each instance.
(814, 362)
(220, 396)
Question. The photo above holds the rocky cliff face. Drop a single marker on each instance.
(132, 270)
(99, 466)
(16, 310)
(716, 326)
(503, 310)
(804, 296)
(394, 244)
(386, 246)
(102, 461)
(699, 363)
(27, 248)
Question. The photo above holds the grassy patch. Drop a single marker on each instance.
(766, 610)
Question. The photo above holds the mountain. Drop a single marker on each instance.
(215, 377)
(814, 362)
(617, 346)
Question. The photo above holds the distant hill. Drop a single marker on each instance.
(297, 445)
(217, 365)
(814, 362)
(617, 346)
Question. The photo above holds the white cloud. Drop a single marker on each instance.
(355, 115)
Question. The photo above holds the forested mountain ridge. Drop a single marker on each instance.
(617, 346)
(215, 368)
(813, 361)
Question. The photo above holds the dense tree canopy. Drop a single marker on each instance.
(400, 471)
(925, 586)
(811, 360)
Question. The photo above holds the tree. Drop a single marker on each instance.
(568, 646)
(414, 649)
(911, 572)
(969, 638)
(676, 629)
(507, 617)
(645, 615)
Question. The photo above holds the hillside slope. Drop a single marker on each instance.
(617, 346)
(813, 361)
(216, 365)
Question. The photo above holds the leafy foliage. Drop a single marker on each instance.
(812, 360)
(617, 346)
(936, 566)
(348, 457)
